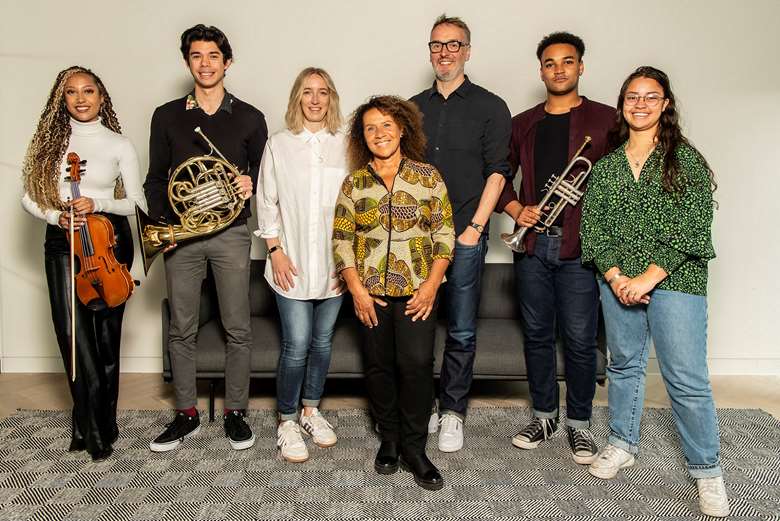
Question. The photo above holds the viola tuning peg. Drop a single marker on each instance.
(83, 162)
(67, 179)
(67, 169)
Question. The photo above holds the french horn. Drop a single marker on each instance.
(202, 194)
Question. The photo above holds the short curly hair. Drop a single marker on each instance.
(561, 37)
(405, 114)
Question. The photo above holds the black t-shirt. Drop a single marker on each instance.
(551, 151)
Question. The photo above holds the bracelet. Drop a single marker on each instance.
(273, 249)
(616, 276)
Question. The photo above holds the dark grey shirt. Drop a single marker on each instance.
(468, 140)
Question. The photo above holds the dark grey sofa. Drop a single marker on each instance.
(499, 344)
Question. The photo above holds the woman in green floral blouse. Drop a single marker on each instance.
(646, 226)
(393, 238)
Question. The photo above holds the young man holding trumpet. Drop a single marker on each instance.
(552, 285)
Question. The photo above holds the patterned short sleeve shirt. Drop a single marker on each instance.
(393, 237)
(632, 224)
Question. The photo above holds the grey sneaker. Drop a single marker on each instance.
(290, 442)
(319, 429)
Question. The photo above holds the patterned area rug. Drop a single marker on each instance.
(488, 479)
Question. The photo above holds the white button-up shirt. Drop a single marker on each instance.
(299, 181)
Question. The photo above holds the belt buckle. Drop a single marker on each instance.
(557, 233)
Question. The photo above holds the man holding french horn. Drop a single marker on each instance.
(206, 147)
(562, 135)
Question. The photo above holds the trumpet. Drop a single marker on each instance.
(566, 190)
(202, 194)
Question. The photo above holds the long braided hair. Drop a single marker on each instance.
(670, 135)
(41, 170)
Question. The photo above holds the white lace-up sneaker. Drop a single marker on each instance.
(319, 429)
(609, 461)
(450, 433)
(713, 500)
(290, 442)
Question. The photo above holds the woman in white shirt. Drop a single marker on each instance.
(79, 117)
(301, 173)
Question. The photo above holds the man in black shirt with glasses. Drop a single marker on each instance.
(468, 130)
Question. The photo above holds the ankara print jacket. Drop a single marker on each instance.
(393, 237)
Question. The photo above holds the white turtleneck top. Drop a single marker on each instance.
(109, 155)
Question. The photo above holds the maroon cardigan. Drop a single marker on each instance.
(590, 118)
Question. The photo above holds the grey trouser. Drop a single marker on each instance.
(185, 269)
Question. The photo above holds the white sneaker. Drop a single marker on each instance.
(609, 461)
(433, 423)
(319, 429)
(290, 442)
(713, 500)
(451, 433)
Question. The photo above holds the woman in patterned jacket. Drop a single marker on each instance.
(646, 226)
(393, 238)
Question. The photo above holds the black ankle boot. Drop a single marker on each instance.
(386, 461)
(425, 473)
(77, 445)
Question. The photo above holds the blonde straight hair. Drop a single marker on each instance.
(294, 117)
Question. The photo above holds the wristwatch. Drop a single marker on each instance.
(271, 250)
(477, 227)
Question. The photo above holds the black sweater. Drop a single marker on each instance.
(237, 129)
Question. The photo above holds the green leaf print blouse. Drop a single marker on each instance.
(632, 224)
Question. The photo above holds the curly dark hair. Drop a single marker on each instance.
(203, 33)
(670, 135)
(561, 37)
(405, 114)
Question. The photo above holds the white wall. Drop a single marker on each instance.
(721, 56)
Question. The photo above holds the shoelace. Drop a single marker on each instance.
(710, 489)
(610, 453)
(450, 421)
(318, 422)
(583, 440)
(289, 435)
(536, 426)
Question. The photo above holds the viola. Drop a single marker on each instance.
(101, 281)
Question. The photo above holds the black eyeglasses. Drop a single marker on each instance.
(452, 45)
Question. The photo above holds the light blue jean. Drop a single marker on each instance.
(304, 358)
(677, 324)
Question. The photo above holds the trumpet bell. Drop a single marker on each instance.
(514, 241)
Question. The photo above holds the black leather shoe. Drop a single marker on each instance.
(386, 461)
(77, 445)
(425, 473)
(102, 455)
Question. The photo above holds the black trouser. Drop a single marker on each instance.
(98, 333)
(398, 356)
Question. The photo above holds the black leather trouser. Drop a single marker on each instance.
(98, 333)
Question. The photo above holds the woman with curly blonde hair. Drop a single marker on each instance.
(79, 117)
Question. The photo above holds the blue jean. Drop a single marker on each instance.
(462, 291)
(563, 293)
(304, 359)
(677, 324)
